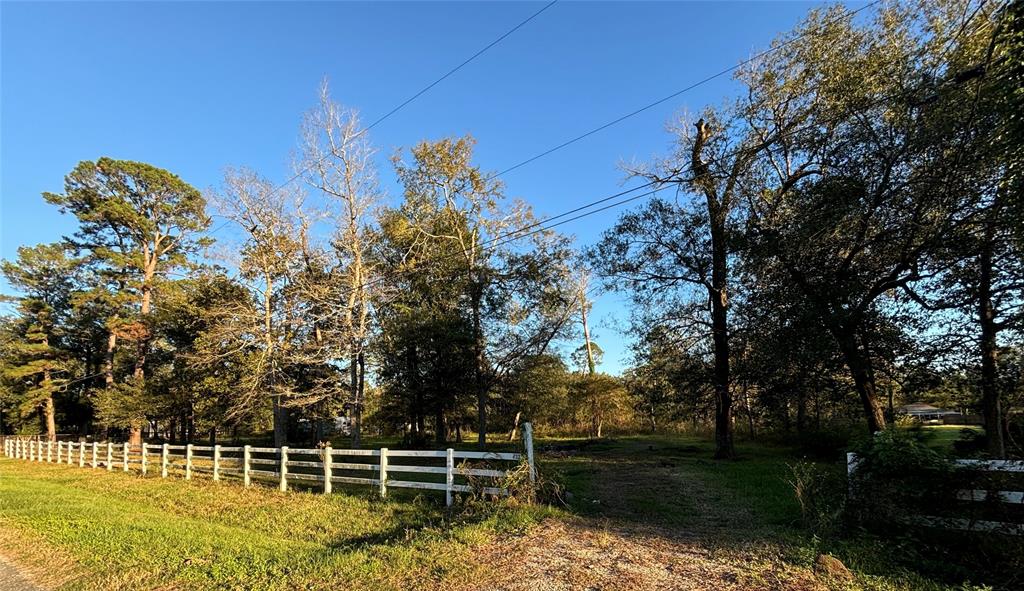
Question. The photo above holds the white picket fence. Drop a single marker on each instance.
(463, 470)
(1001, 496)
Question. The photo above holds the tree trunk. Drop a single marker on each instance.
(51, 419)
(360, 392)
(280, 423)
(515, 427)
(353, 381)
(478, 352)
(990, 404)
(440, 430)
(108, 367)
(863, 378)
(718, 210)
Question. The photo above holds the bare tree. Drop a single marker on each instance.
(337, 161)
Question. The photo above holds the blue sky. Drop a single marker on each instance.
(194, 87)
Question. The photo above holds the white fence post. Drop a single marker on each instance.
(110, 456)
(284, 468)
(449, 476)
(216, 462)
(851, 467)
(383, 472)
(31, 450)
(49, 452)
(528, 442)
(81, 454)
(60, 449)
(188, 461)
(328, 469)
(124, 461)
(145, 459)
(164, 451)
(71, 453)
(95, 446)
(246, 456)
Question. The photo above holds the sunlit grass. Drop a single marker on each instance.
(124, 531)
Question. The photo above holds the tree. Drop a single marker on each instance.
(673, 257)
(44, 275)
(337, 160)
(137, 222)
(856, 187)
(514, 296)
(278, 327)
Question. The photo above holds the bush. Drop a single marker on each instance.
(970, 443)
(897, 475)
(821, 492)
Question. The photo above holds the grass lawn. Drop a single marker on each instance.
(643, 512)
(942, 436)
(88, 529)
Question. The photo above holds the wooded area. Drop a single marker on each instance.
(843, 236)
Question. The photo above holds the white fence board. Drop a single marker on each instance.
(217, 460)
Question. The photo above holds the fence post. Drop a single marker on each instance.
(31, 450)
(124, 462)
(145, 459)
(851, 467)
(246, 455)
(71, 453)
(216, 462)
(164, 450)
(449, 477)
(110, 456)
(328, 469)
(95, 447)
(528, 442)
(49, 452)
(284, 468)
(81, 454)
(188, 462)
(383, 472)
(60, 449)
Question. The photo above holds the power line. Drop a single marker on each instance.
(677, 93)
(545, 224)
(422, 91)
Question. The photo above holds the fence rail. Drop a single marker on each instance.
(1010, 497)
(326, 466)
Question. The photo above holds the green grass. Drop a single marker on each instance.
(120, 531)
(731, 506)
(124, 531)
(941, 437)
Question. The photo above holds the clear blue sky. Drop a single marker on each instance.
(195, 87)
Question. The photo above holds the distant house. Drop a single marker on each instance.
(927, 413)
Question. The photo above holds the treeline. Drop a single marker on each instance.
(431, 313)
(842, 237)
(850, 222)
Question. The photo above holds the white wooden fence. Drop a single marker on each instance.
(1000, 496)
(462, 471)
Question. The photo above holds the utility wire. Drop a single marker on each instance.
(678, 92)
(422, 91)
(563, 218)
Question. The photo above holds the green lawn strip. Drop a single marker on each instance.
(201, 534)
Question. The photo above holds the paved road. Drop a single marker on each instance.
(12, 580)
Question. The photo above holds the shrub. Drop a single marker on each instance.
(820, 490)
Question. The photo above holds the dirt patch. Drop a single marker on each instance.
(41, 564)
(584, 554)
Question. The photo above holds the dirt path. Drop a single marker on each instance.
(587, 555)
(652, 523)
(11, 579)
